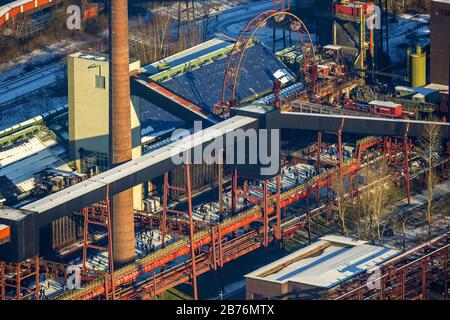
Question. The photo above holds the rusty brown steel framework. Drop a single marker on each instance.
(269, 202)
(237, 55)
(15, 279)
(188, 213)
(258, 217)
(22, 281)
(406, 277)
(99, 216)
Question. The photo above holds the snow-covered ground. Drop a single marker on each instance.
(406, 31)
(202, 7)
(31, 81)
(232, 22)
(38, 58)
(30, 85)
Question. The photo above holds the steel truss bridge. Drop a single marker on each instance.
(210, 248)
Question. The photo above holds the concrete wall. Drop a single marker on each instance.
(257, 289)
(440, 42)
(89, 114)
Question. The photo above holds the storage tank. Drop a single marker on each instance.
(418, 67)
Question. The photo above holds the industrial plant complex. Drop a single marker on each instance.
(224, 150)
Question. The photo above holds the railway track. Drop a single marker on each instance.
(31, 81)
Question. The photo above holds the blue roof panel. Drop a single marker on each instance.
(155, 119)
(203, 85)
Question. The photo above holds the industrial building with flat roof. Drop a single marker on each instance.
(316, 268)
(194, 77)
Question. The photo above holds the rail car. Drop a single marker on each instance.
(352, 8)
(9, 10)
(384, 108)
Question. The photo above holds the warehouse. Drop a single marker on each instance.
(196, 75)
(316, 268)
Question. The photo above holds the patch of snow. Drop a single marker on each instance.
(39, 57)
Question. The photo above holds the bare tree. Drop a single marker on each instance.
(153, 41)
(341, 204)
(378, 190)
(428, 150)
(206, 12)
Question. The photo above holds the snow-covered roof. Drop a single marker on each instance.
(424, 91)
(442, 1)
(20, 162)
(202, 49)
(439, 87)
(325, 263)
(385, 104)
(332, 47)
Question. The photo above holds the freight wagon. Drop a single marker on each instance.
(352, 8)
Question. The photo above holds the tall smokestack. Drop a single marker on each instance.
(120, 122)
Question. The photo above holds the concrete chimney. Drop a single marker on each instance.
(120, 130)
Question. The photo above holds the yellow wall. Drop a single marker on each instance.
(89, 110)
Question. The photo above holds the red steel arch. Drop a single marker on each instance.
(244, 41)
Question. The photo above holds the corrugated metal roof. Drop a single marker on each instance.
(203, 85)
(128, 169)
(12, 214)
(155, 119)
(187, 55)
(21, 161)
(325, 263)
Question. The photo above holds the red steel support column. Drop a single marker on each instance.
(36, 278)
(120, 128)
(278, 208)
(18, 282)
(105, 216)
(234, 194)
(2, 281)
(106, 281)
(319, 150)
(191, 229)
(219, 233)
(85, 237)
(395, 153)
(109, 246)
(406, 156)
(266, 213)
(154, 285)
(164, 207)
(220, 186)
(213, 247)
(308, 217)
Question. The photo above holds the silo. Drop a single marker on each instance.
(418, 67)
